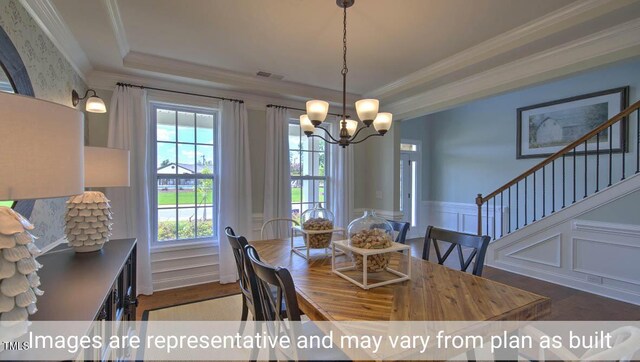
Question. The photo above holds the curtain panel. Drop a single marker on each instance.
(128, 129)
(277, 177)
(234, 186)
(341, 184)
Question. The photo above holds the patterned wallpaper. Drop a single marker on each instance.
(52, 78)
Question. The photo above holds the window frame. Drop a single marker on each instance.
(325, 178)
(153, 182)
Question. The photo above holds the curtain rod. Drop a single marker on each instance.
(300, 109)
(179, 92)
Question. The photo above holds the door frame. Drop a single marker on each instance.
(416, 231)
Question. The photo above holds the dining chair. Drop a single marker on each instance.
(401, 228)
(277, 222)
(625, 345)
(279, 303)
(246, 275)
(478, 244)
(275, 289)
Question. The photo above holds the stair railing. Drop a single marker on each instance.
(568, 157)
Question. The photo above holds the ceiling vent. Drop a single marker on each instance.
(269, 75)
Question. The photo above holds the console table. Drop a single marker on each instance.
(89, 286)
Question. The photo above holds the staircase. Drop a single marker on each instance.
(538, 221)
(563, 178)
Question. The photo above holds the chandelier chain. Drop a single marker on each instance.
(345, 70)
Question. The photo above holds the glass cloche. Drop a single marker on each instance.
(371, 232)
(313, 221)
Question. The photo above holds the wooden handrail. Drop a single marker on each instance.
(482, 199)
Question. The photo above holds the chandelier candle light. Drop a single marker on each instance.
(367, 109)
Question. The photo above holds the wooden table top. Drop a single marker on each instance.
(434, 293)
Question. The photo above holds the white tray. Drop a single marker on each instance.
(303, 250)
(343, 246)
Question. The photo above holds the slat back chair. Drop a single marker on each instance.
(276, 224)
(400, 227)
(478, 244)
(275, 288)
(246, 275)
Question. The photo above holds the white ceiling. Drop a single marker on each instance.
(397, 48)
(300, 39)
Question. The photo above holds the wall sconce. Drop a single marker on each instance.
(94, 104)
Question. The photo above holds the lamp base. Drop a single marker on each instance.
(88, 221)
(88, 248)
(19, 280)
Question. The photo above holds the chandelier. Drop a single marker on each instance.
(367, 109)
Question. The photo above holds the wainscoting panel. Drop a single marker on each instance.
(588, 254)
(547, 251)
(596, 257)
(184, 265)
(459, 217)
(577, 254)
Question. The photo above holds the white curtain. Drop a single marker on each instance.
(234, 182)
(340, 180)
(128, 129)
(277, 180)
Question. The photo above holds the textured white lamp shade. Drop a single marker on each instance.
(41, 152)
(351, 126)
(317, 111)
(106, 167)
(306, 125)
(367, 109)
(95, 105)
(41, 156)
(382, 123)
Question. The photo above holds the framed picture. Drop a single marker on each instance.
(544, 129)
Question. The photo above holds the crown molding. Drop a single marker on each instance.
(563, 18)
(49, 20)
(117, 25)
(107, 81)
(610, 45)
(225, 79)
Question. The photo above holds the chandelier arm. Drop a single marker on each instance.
(356, 133)
(328, 134)
(324, 139)
(366, 138)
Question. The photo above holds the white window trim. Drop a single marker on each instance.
(325, 178)
(159, 102)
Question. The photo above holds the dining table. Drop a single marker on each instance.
(433, 293)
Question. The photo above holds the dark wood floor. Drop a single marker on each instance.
(566, 303)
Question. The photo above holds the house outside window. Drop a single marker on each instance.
(308, 164)
(184, 175)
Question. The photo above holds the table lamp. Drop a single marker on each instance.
(40, 157)
(88, 218)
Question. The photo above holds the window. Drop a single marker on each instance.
(308, 163)
(185, 172)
